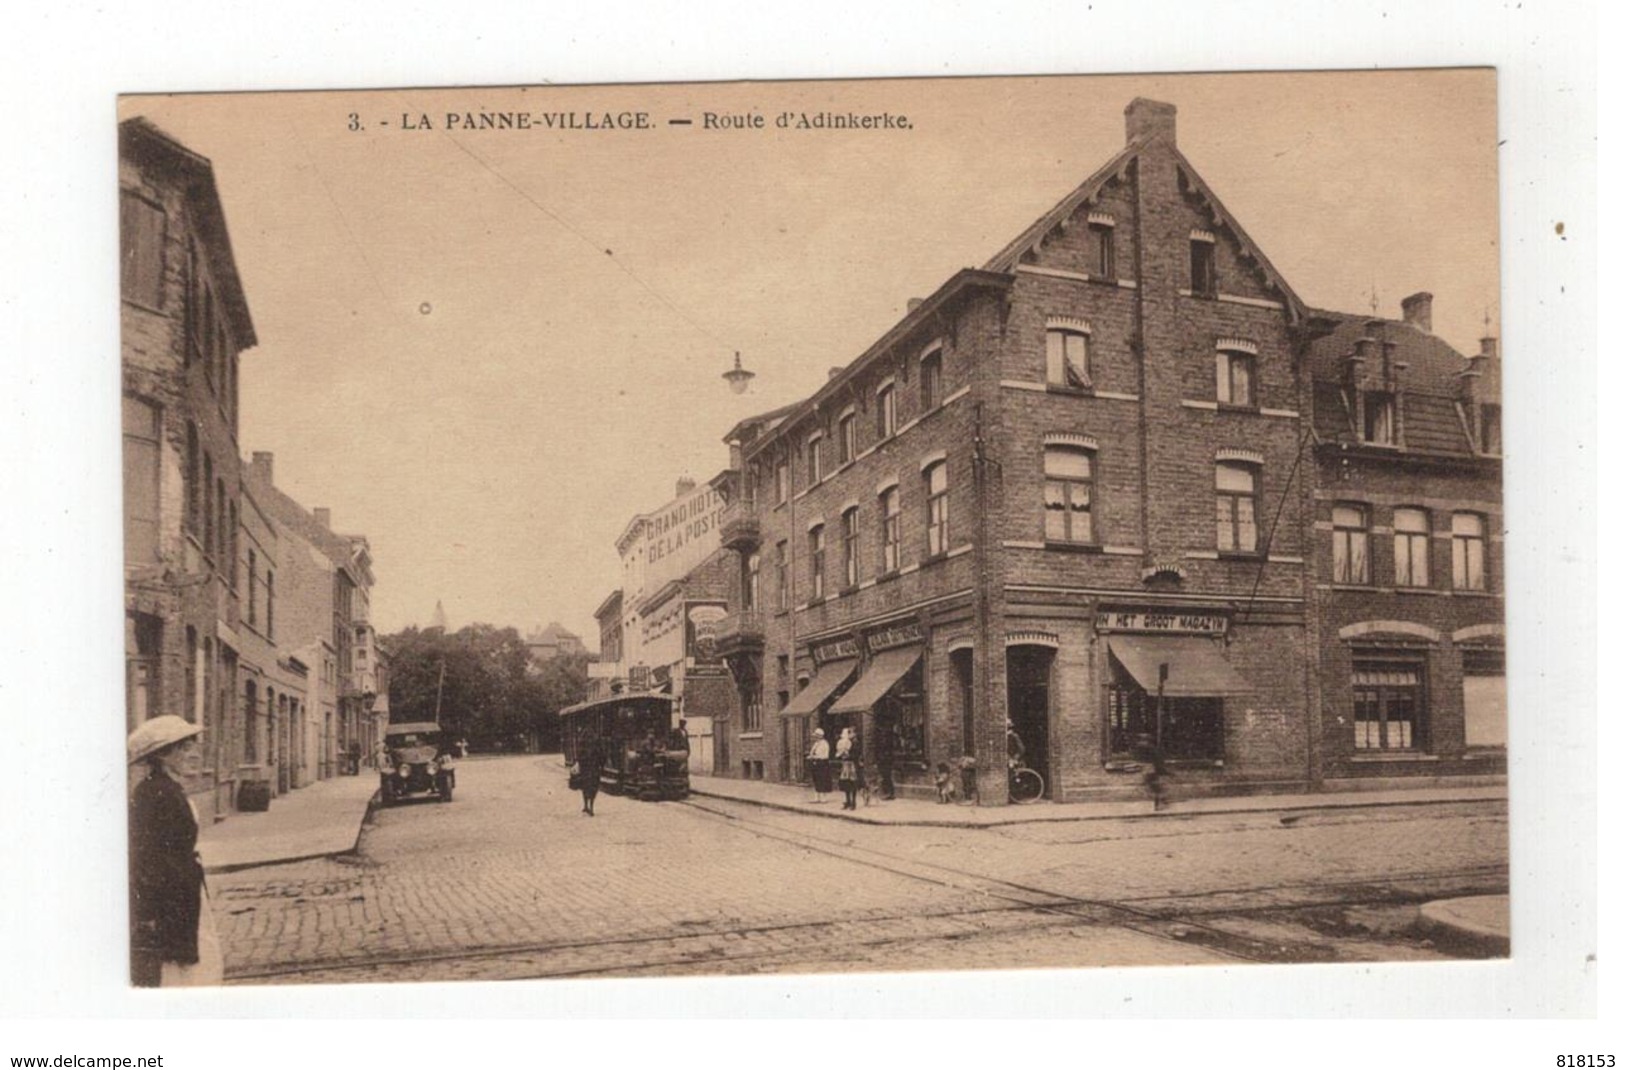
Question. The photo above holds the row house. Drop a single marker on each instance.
(184, 322)
(326, 582)
(1408, 568)
(1068, 494)
(659, 631)
(219, 627)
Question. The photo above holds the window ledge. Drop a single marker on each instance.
(1394, 756)
(848, 592)
(750, 735)
(932, 559)
(1073, 547)
(887, 577)
(814, 603)
(1072, 391)
(1473, 594)
(1369, 588)
(1240, 555)
(1225, 406)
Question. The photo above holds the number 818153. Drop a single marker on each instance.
(1585, 1062)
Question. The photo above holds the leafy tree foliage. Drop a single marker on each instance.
(481, 680)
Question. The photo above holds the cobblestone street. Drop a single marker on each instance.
(511, 880)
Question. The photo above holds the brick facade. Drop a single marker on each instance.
(1195, 395)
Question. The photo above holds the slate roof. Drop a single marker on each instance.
(1429, 384)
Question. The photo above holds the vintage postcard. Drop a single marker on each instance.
(804, 527)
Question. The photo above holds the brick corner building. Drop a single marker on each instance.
(1071, 492)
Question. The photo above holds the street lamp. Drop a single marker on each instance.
(738, 378)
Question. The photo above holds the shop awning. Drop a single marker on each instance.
(888, 667)
(1197, 668)
(830, 675)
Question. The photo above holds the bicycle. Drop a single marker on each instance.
(1026, 785)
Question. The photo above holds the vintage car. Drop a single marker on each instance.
(419, 760)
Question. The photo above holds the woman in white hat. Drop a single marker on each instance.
(172, 937)
(818, 765)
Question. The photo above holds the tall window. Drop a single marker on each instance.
(1467, 551)
(1380, 427)
(886, 412)
(815, 560)
(193, 475)
(931, 380)
(815, 460)
(1204, 277)
(1069, 484)
(1410, 548)
(891, 530)
(1105, 250)
(1235, 378)
(253, 588)
(753, 581)
(1388, 706)
(1066, 357)
(141, 249)
(781, 482)
(849, 548)
(936, 509)
(222, 539)
(1237, 495)
(141, 424)
(270, 604)
(848, 446)
(1489, 428)
(781, 568)
(1351, 544)
(251, 728)
(208, 505)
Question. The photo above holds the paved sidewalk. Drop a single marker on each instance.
(958, 815)
(321, 819)
(1483, 921)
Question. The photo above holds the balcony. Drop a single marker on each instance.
(740, 633)
(741, 526)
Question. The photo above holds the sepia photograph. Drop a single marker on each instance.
(814, 527)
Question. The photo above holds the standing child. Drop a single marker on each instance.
(945, 783)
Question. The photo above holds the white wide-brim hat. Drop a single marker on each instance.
(154, 735)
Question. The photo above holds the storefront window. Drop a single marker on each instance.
(1388, 705)
(902, 712)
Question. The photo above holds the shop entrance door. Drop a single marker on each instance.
(1028, 672)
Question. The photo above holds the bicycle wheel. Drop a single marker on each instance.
(1026, 786)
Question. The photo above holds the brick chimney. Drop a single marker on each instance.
(324, 516)
(915, 302)
(1418, 309)
(1147, 119)
(685, 486)
(1487, 348)
(261, 465)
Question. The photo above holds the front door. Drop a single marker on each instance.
(1028, 698)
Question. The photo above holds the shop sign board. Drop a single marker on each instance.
(1163, 621)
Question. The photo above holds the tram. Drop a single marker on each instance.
(641, 753)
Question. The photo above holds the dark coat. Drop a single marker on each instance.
(166, 878)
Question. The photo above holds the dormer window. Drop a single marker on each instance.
(1380, 426)
(847, 445)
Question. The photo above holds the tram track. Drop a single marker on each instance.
(1182, 919)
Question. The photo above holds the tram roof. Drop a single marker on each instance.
(617, 700)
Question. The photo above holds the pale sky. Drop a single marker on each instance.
(449, 360)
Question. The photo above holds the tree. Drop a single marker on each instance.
(481, 681)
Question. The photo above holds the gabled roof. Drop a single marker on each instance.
(1008, 258)
(141, 140)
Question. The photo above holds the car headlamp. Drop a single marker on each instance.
(432, 768)
(403, 771)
